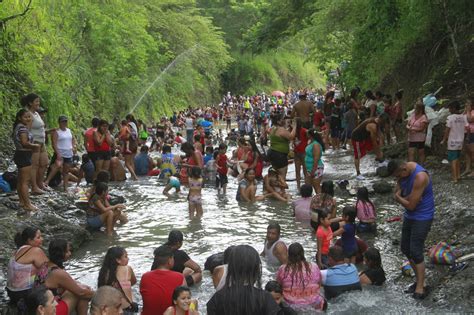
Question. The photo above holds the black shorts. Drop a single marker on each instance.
(66, 160)
(103, 155)
(414, 234)
(417, 145)
(277, 159)
(92, 156)
(221, 180)
(22, 158)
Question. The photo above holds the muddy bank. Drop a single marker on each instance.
(58, 218)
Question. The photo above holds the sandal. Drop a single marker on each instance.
(411, 289)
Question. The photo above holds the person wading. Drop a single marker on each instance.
(274, 249)
(303, 111)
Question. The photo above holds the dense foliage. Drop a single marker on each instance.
(90, 58)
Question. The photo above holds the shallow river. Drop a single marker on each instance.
(225, 222)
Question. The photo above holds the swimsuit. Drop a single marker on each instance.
(195, 199)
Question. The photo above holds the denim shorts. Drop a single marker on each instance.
(454, 155)
(95, 222)
(414, 234)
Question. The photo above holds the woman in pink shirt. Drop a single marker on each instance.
(416, 126)
(301, 280)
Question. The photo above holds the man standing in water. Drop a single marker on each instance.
(274, 249)
(415, 193)
(365, 137)
(303, 110)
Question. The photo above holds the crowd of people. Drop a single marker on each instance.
(297, 127)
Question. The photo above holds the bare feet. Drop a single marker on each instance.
(30, 208)
(37, 192)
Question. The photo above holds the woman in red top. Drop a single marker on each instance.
(102, 146)
(193, 158)
(300, 143)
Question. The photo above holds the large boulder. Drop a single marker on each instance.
(382, 171)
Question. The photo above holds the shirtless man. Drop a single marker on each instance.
(365, 138)
(303, 110)
(274, 249)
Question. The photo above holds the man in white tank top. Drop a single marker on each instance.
(274, 249)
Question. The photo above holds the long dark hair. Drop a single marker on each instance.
(18, 116)
(108, 271)
(244, 271)
(28, 99)
(57, 252)
(372, 255)
(27, 234)
(363, 196)
(315, 135)
(294, 267)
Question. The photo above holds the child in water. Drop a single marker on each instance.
(116, 272)
(347, 231)
(173, 182)
(324, 237)
(374, 274)
(221, 176)
(195, 187)
(183, 304)
(365, 212)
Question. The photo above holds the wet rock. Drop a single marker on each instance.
(382, 171)
(395, 151)
(382, 187)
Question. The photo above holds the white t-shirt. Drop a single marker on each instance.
(189, 123)
(456, 124)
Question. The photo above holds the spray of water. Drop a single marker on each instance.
(160, 75)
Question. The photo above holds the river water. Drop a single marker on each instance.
(226, 222)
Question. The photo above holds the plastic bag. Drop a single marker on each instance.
(442, 254)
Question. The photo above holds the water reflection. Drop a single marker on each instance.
(225, 223)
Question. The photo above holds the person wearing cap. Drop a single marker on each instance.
(64, 146)
(303, 111)
(39, 158)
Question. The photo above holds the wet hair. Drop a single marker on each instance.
(161, 254)
(227, 253)
(28, 99)
(455, 105)
(85, 158)
(177, 292)
(38, 296)
(313, 134)
(195, 172)
(327, 187)
(274, 226)
(27, 234)
(372, 255)
(18, 116)
(105, 296)
(57, 251)
(363, 194)
(144, 149)
(306, 190)
(273, 286)
(350, 212)
(175, 237)
(296, 262)
(102, 177)
(100, 188)
(336, 253)
(393, 166)
(95, 122)
(108, 271)
(244, 273)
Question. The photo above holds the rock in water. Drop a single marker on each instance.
(382, 187)
(382, 171)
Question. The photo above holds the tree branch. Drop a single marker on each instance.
(11, 17)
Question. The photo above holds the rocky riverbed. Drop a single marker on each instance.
(59, 217)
